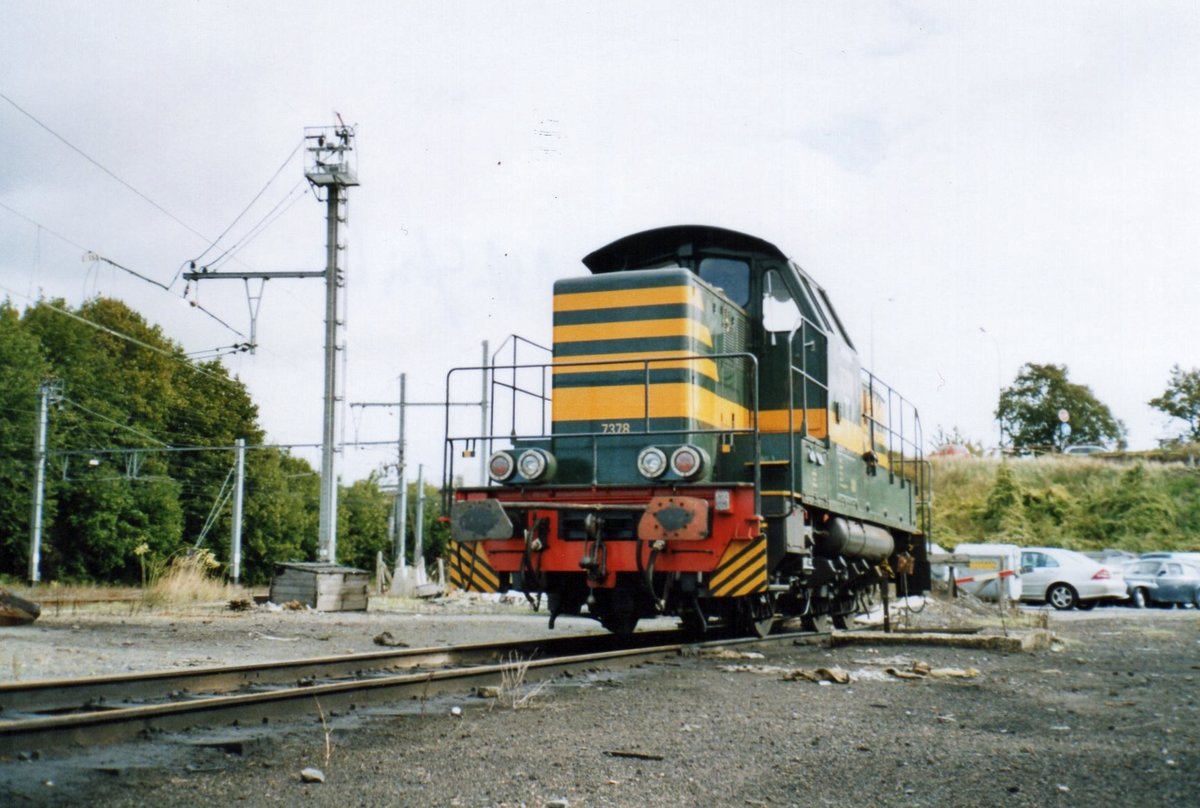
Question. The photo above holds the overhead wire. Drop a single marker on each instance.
(126, 337)
(249, 205)
(260, 227)
(102, 167)
(112, 421)
(152, 202)
(93, 255)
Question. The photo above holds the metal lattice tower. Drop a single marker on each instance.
(330, 170)
(329, 167)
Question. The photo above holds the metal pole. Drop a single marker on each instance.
(238, 486)
(39, 483)
(484, 449)
(327, 535)
(419, 527)
(402, 515)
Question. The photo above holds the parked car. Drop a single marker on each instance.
(1163, 555)
(1084, 449)
(1162, 582)
(1066, 579)
(1112, 558)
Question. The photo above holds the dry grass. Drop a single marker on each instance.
(188, 579)
(514, 692)
(325, 729)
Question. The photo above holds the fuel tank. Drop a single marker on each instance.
(855, 539)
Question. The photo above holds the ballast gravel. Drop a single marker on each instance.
(1107, 716)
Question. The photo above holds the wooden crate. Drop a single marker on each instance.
(324, 587)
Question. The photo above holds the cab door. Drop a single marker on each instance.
(794, 352)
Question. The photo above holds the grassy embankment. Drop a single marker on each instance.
(1078, 503)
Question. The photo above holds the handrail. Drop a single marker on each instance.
(543, 398)
(795, 467)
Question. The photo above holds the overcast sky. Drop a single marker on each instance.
(977, 185)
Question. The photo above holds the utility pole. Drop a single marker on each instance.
(401, 573)
(329, 169)
(238, 485)
(401, 504)
(483, 415)
(46, 391)
(419, 529)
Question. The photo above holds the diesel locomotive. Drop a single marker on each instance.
(700, 440)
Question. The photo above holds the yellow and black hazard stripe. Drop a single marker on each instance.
(470, 569)
(742, 570)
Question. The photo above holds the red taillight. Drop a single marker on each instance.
(1102, 575)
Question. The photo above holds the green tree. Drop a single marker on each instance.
(363, 511)
(22, 369)
(128, 391)
(1181, 400)
(280, 520)
(1004, 514)
(1029, 408)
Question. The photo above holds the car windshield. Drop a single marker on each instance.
(1144, 568)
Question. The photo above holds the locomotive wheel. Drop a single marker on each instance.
(694, 623)
(621, 624)
(815, 622)
(757, 613)
(617, 609)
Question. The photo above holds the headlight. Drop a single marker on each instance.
(651, 462)
(687, 461)
(535, 464)
(501, 466)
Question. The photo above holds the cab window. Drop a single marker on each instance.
(730, 276)
(778, 309)
(811, 305)
(834, 316)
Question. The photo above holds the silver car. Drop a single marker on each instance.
(1162, 582)
(1066, 579)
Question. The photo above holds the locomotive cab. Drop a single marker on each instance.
(714, 449)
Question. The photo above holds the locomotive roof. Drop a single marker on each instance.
(638, 250)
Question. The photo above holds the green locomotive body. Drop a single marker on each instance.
(714, 449)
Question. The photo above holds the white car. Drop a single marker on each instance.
(1066, 579)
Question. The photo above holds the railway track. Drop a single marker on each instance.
(108, 709)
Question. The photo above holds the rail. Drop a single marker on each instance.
(66, 721)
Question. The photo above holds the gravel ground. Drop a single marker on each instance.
(1109, 716)
(121, 638)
